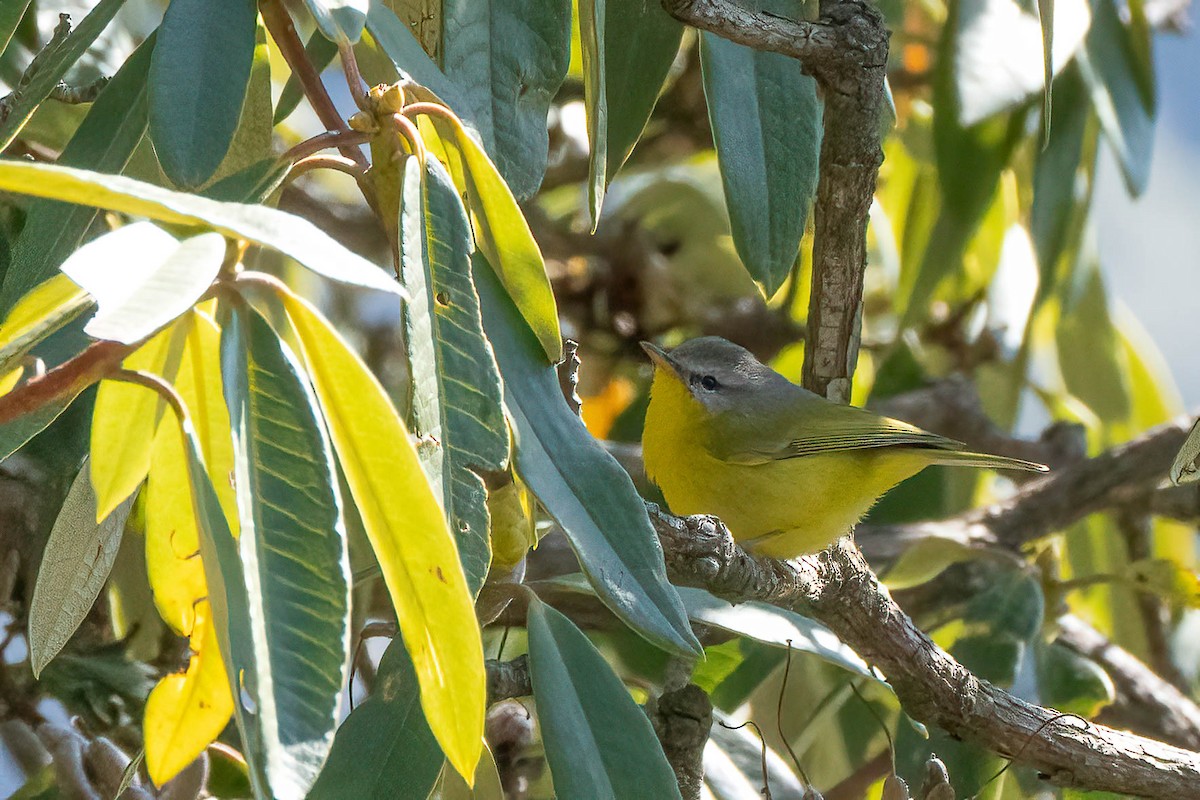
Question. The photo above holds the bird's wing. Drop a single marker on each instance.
(832, 428)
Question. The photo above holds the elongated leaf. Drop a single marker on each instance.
(198, 78)
(104, 141)
(599, 743)
(503, 236)
(186, 712)
(579, 483)
(408, 531)
(125, 418)
(142, 278)
(293, 544)
(592, 19)
(1112, 73)
(37, 315)
(455, 388)
(320, 51)
(252, 139)
(388, 732)
(290, 235)
(766, 123)
(1056, 204)
(339, 20)
(10, 17)
(75, 564)
(636, 62)
(50, 67)
(511, 57)
(230, 606)
(772, 625)
(176, 576)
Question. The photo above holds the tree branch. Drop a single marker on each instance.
(846, 52)
(837, 588)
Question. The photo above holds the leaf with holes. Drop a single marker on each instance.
(455, 390)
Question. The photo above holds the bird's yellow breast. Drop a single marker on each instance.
(782, 508)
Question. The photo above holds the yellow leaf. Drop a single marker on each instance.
(10, 379)
(125, 419)
(503, 235)
(186, 712)
(408, 531)
(172, 540)
(38, 313)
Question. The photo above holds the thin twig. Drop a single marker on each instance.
(324, 141)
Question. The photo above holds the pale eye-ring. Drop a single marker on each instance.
(709, 383)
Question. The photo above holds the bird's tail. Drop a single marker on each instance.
(963, 458)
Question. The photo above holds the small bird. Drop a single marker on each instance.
(786, 470)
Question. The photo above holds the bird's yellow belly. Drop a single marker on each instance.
(789, 507)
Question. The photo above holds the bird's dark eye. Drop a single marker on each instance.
(709, 383)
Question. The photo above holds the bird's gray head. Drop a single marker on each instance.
(720, 374)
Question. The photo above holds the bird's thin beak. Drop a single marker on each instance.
(659, 357)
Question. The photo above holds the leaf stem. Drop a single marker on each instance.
(96, 361)
(323, 141)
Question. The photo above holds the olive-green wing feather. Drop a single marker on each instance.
(809, 425)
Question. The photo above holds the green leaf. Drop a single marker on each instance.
(1045, 11)
(455, 396)
(142, 278)
(1089, 354)
(15, 433)
(777, 626)
(253, 139)
(766, 124)
(1057, 204)
(636, 64)
(290, 235)
(388, 732)
(104, 142)
(502, 234)
(75, 564)
(198, 78)
(510, 56)
(579, 483)
(51, 65)
(10, 17)
(230, 603)
(599, 743)
(1110, 67)
(592, 19)
(408, 532)
(1072, 683)
(294, 547)
(1186, 467)
(339, 20)
(320, 51)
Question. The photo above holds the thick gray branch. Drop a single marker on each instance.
(837, 587)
